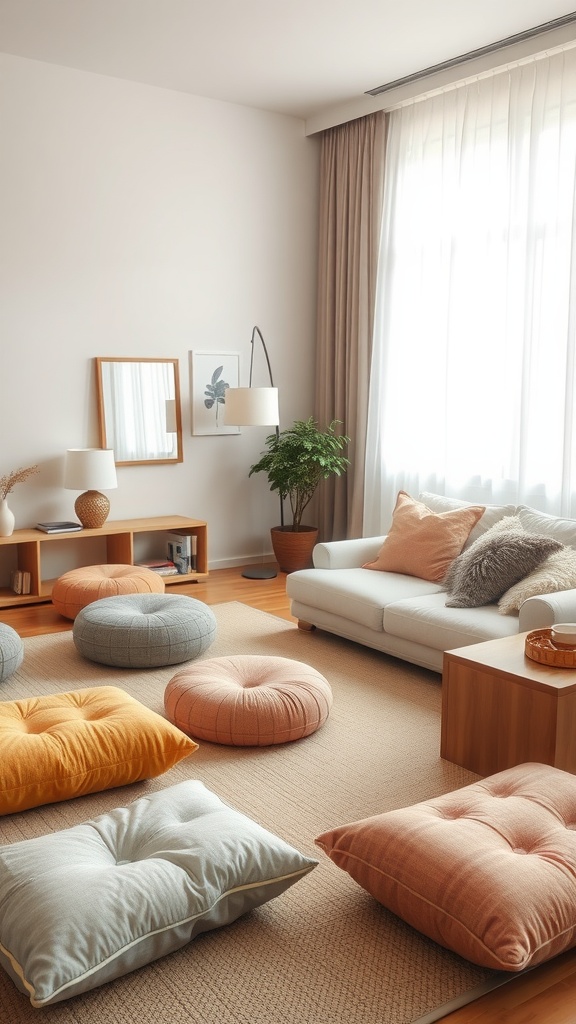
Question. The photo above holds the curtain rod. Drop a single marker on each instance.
(519, 37)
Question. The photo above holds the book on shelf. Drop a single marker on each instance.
(59, 527)
(156, 563)
(21, 581)
(161, 566)
(182, 551)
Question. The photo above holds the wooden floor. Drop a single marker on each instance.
(546, 995)
(223, 585)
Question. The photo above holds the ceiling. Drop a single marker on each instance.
(295, 57)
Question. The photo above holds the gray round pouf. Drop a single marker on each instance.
(144, 630)
(11, 651)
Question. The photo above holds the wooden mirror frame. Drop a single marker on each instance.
(106, 412)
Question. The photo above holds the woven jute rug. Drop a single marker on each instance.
(324, 952)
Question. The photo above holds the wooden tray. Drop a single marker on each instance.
(540, 647)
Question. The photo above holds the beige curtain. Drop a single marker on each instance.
(351, 189)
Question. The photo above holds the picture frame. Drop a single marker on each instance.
(211, 374)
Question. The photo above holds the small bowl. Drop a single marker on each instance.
(563, 634)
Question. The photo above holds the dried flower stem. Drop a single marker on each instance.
(18, 476)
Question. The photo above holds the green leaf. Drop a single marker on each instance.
(297, 459)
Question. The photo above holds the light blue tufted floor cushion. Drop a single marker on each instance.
(11, 651)
(91, 903)
(144, 630)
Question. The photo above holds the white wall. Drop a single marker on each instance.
(137, 221)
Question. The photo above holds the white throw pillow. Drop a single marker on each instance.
(557, 572)
(534, 521)
(81, 907)
(492, 513)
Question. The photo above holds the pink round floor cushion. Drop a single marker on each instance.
(248, 700)
(80, 587)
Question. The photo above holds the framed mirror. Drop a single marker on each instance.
(139, 410)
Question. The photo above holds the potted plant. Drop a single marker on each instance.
(295, 461)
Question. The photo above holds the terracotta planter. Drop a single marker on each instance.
(293, 548)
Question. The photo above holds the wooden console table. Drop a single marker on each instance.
(500, 708)
(24, 550)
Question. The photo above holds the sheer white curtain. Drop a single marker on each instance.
(473, 370)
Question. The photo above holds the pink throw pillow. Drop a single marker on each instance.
(424, 543)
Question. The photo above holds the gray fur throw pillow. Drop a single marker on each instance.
(497, 560)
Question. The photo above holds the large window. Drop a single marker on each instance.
(473, 377)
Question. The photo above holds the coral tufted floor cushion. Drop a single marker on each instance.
(79, 587)
(488, 871)
(248, 700)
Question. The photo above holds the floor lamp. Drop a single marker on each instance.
(255, 407)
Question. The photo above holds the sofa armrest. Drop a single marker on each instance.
(346, 554)
(545, 610)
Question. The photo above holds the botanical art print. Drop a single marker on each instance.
(211, 376)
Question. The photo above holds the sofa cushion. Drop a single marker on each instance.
(492, 513)
(81, 907)
(497, 560)
(426, 620)
(555, 573)
(66, 745)
(424, 543)
(486, 871)
(354, 594)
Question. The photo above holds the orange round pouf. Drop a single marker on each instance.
(80, 587)
(248, 700)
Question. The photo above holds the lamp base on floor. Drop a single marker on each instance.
(260, 572)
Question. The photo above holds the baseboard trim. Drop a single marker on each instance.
(233, 563)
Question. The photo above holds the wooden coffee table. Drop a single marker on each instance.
(500, 708)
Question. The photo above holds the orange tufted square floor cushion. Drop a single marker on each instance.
(68, 744)
(79, 587)
(248, 700)
(488, 871)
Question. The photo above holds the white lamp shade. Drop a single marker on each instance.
(251, 407)
(90, 469)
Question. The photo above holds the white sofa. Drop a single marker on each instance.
(406, 616)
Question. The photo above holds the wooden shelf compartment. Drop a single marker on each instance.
(24, 550)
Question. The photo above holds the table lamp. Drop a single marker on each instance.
(88, 470)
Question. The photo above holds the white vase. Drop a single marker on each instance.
(6, 519)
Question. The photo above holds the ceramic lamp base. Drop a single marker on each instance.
(92, 509)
